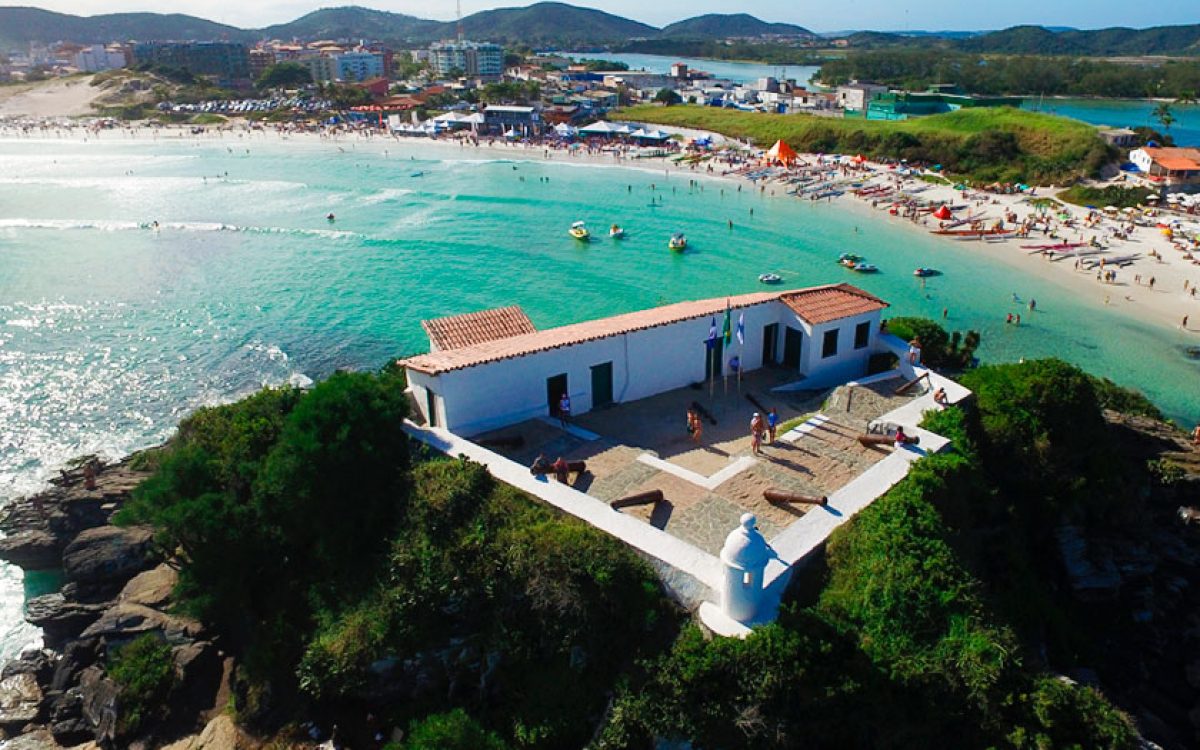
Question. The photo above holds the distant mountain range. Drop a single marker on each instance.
(565, 26)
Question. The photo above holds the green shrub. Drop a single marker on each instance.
(454, 730)
(302, 487)
(145, 674)
(939, 349)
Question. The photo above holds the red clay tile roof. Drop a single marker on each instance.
(823, 303)
(459, 331)
(1177, 164)
(1175, 159)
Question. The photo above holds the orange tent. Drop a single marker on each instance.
(782, 152)
(943, 213)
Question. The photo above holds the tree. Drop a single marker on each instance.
(1164, 115)
(667, 97)
(454, 730)
(284, 75)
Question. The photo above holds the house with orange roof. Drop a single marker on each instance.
(491, 369)
(1171, 166)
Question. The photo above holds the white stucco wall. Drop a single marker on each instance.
(848, 363)
(644, 363)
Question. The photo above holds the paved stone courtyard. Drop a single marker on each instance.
(644, 445)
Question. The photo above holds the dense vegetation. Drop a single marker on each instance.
(916, 68)
(471, 593)
(425, 594)
(1110, 195)
(284, 75)
(993, 144)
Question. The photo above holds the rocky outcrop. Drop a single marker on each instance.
(106, 555)
(117, 590)
(38, 528)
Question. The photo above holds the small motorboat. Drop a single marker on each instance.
(849, 259)
(616, 232)
(925, 273)
(579, 231)
(770, 278)
(864, 267)
(678, 242)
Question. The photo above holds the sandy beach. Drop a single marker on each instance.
(1165, 303)
(62, 97)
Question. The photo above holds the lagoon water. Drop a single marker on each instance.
(738, 72)
(1125, 113)
(110, 332)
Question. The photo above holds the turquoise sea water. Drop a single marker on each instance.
(111, 333)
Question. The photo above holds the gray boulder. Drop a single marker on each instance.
(34, 549)
(20, 701)
(127, 621)
(60, 618)
(101, 703)
(109, 554)
(151, 588)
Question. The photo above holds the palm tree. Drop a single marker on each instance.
(1163, 114)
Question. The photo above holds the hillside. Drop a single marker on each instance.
(552, 23)
(992, 144)
(21, 25)
(1160, 40)
(352, 21)
(721, 26)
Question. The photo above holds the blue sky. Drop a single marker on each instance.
(883, 15)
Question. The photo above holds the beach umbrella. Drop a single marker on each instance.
(943, 213)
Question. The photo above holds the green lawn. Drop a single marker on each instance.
(986, 144)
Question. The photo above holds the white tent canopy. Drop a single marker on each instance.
(601, 127)
(564, 129)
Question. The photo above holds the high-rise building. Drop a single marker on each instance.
(474, 59)
(228, 62)
(98, 57)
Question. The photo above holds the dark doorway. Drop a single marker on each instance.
(556, 386)
(602, 385)
(793, 340)
(712, 358)
(431, 405)
(770, 344)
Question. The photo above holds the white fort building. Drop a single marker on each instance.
(704, 507)
(490, 369)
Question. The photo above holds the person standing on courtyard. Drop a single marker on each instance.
(772, 423)
(756, 433)
(564, 410)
